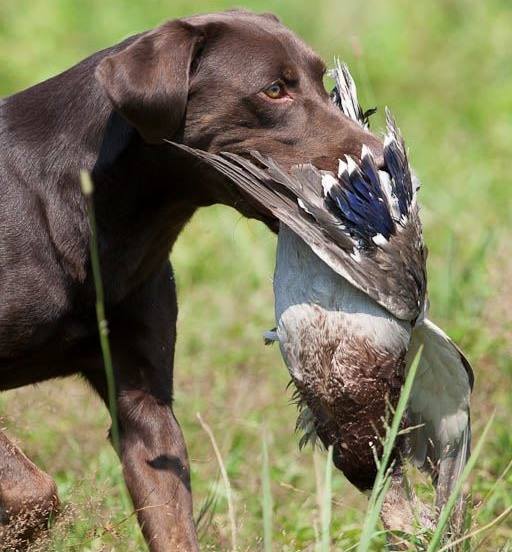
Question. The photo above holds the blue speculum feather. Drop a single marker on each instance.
(360, 204)
(401, 178)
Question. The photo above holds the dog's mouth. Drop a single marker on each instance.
(254, 184)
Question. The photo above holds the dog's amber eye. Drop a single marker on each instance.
(275, 91)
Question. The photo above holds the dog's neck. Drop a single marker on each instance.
(144, 194)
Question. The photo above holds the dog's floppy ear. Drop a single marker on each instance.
(148, 81)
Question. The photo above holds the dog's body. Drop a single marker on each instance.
(207, 81)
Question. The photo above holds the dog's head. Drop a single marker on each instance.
(233, 81)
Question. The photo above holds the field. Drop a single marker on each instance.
(444, 68)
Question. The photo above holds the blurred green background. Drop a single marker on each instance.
(445, 69)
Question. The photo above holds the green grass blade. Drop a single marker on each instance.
(466, 539)
(468, 523)
(225, 478)
(266, 498)
(206, 512)
(88, 190)
(325, 542)
(445, 514)
(372, 517)
(382, 480)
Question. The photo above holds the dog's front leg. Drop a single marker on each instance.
(153, 452)
(156, 471)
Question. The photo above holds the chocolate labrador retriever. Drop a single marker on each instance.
(233, 81)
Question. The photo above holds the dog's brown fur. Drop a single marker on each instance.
(198, 81)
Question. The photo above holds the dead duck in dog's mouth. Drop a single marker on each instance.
(351, 311)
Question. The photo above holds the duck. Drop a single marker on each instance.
(351, 310)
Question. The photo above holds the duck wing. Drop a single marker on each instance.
(362, 222)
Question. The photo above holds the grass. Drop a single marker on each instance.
(88, 191)
(383, 478)
(435, 542)
(441, 66)
(267, 503)
(326, 509)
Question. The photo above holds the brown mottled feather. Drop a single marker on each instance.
(349, 386)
